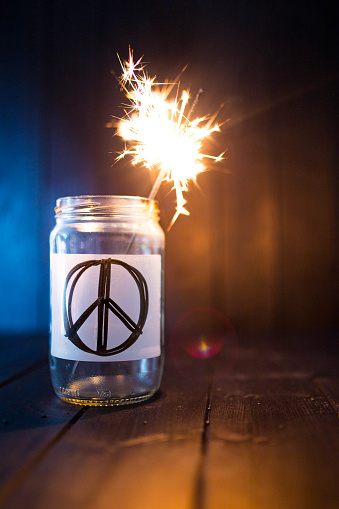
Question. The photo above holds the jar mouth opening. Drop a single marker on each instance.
(105, 205)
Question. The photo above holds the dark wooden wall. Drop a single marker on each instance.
(261, 243)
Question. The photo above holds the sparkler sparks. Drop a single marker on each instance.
(159, 135)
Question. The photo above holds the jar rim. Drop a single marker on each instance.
(121, 199)
(86, 205)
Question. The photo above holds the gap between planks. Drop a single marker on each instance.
(199, 489)
(26, 371)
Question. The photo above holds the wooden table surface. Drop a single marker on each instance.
(247, 429)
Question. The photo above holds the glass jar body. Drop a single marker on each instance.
(107, 318)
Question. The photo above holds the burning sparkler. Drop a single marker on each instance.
(159, 135)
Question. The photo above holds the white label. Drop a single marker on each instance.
(105, 307)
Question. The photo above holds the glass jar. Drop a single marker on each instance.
(107, 317)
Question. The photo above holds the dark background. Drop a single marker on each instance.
(261, 243)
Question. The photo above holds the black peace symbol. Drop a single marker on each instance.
(104, 304)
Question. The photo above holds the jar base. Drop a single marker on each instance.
(108, 402)
(105, 383)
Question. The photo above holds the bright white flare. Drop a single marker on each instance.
(157, 133)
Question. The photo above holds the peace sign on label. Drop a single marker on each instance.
(104, 305)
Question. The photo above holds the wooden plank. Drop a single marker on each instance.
(31, 418)
(247, 363)
(136, 456)
(273, 443)
(21, 353)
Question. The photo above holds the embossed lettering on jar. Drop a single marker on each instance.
(107, 327)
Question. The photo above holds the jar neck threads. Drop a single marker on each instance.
(99, 206)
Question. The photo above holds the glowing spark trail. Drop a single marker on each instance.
(157, 133)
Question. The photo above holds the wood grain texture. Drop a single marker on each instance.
(31, 418)
(273, 443)
(260, 432)
(144, 455)
(330, 388)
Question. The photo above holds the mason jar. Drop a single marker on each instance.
(107, 316)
